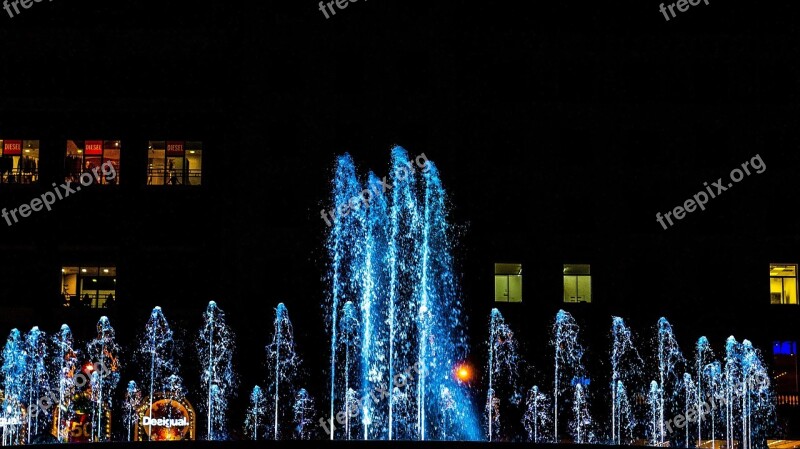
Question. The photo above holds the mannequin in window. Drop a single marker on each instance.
(110, 301)
(86, 301)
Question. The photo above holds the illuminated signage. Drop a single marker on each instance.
(166, 420)
(175, 148)
(94, 147)
(12, 147)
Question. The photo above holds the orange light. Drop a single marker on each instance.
(463, 372)
(88, 367)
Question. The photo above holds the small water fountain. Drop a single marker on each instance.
(103, 353)
(133, 400)
(217, 378)
(624, 421)
(67, 364)
(669, 360)
(537, 418)
(582, 420)
(256, 413)
(303, 414)
(689, 401)
(568, 360)
(502, 369)
(36, 381)
(160, 364)
(13, 370)
(703, 354)
(654, 411)
(282, 365)
(625, 361)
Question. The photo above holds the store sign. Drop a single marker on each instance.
(94, 148)
(166, 420)
(12, 147)
(10, 422)
(80, 428)
(174, 148)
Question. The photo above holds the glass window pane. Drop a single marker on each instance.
(157, 163)
(194, 163)
(789, 290)
(584, 289)
(570, 289)
(515, 288)
(776, 290)
(501, 288)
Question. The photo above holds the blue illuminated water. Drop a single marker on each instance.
(103, 352)
(256, 413)
(282, 365)
(390, 256)
(217, 378)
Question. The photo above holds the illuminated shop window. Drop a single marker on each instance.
(83, 156)
(784, 355)
(577, 283)
(507, 282)
(782, 283)
(89, 287)
(174, 163)
(19, 161)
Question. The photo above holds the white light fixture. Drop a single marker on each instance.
(105, 270)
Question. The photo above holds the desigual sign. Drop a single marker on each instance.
(166, 420)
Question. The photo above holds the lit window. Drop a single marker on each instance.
(783, 283)
(577, 283)
(508, 282)
(84, 156)
(174, 163)
(89, 287)
(19, 161)
(784, 355)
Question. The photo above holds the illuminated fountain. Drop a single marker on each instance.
(304, 414)
(625, 363)
(133, 401)
(568, 360)
(254, 420)
(670, 359)
(282, 365)
(13, 369)
(502, 371)
(215, 350)
(390, 257)
(67, 364)
(36, 381)
(103, 353)
(538, 416)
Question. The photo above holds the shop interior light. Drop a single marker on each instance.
(105, 270)
(83, 270)
(80, 151)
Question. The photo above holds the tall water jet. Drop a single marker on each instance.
(537, 417)
(713, 376)
(67, 364)
(756, 397)
(390, 256)
(374, 310)
(13, 369)
(37, 381)
(703, 354)
(732, 376)
(133, 400)
(217, 379)
(350, 339)
(103, 353)
(282, 364)
(157, 351)
(254, 420)
(568, 360)
(502, 368)
(669, 358)
(689, 401)
(624, 360)
(303, 414)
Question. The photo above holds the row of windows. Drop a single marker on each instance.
(578, 283)
(168, 162)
